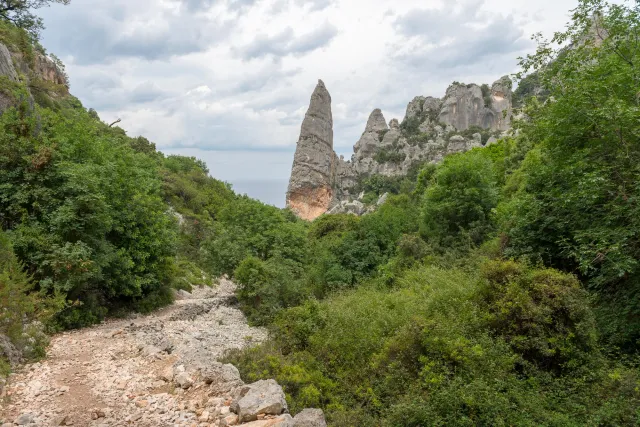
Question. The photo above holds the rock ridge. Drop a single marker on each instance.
(468, 116)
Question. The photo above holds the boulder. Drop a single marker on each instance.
(284, 420)
(310, 418)
(221, 378)
(25, 419)
(264, 397)
(9, 351)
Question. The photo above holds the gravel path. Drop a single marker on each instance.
(142, 371)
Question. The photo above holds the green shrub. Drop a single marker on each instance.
(458, 202)
(542, 313)
(386, 155)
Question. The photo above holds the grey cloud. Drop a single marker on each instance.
(104, 30)
(432, 24)
(285, 43)
(315, 5)
(240, 4)
(146, 92)
(279, 6)
(199, 5)
(456, 38)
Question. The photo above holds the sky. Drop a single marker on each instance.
(229, 81)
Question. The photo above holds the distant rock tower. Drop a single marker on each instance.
(310, 190)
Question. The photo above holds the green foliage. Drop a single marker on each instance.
(529, 86)
(457, 204)
(389, 155)
(577, 202)
(410, 126)
(469, 132)
(435, 349)
(558, 331)
(486, 95)
(85, 212)
(22, 311)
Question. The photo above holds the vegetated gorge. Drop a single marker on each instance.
(476, 263)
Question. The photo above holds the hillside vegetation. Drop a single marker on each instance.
(500, 287)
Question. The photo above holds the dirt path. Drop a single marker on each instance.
(141, 371)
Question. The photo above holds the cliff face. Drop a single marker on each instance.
(314, 165)
(468, 116)
(31, 70)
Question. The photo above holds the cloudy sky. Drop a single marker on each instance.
(229, 81)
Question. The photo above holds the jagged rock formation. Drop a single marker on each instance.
(310, 191)
(468, 116)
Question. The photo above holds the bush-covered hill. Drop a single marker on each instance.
(500, 287)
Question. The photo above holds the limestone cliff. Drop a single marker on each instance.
(314, 165)
(468, 116)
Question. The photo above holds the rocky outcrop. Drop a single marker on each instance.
(16, 70)
(6, 64)
(310, 189)
(373, 135)
(465, 106)
(469, 116)
(47, 70)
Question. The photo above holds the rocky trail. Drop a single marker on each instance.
(155, 370)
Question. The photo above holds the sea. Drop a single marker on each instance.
(269, 191)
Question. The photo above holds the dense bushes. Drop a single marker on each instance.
(577, 202)
(446, 347)
(458, 202)
(23, 311)
(86, 213)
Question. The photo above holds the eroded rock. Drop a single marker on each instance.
(310, 418)
(262, 397)
(310, 187)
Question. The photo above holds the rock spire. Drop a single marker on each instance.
(310, 186)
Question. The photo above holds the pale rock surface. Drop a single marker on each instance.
(464, 106)
(6, 64)
(310, 418)
(100, 377)
(372, 136)
(321, 182)
(310, 187)
(264, 397)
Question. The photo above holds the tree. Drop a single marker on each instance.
(578, 206)
(19, 12)
(458, 203)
